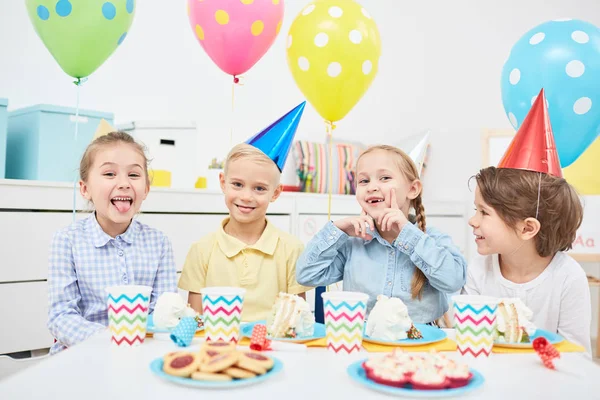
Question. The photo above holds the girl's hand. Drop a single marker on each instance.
(392, 219)
(356, 226)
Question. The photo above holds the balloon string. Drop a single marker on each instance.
(237, 80)
(77, 83)
(330, 126)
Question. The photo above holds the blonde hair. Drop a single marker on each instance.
(513, 194)
(110, 139)
(248, 152)
(408, 168)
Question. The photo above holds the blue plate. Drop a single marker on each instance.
(156, 366)
(431, 334)
(358, 374)
(150, 328)
(246, 330)
(553, 338)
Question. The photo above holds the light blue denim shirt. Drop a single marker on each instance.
(377, 267)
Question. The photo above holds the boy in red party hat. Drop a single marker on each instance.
(526, 217)
(247, 250)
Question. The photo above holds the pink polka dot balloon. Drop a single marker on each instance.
(235, 33)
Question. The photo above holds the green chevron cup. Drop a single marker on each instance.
(475, 322)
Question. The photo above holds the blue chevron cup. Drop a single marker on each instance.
(475, 324)
(344, 320)
(222, 312)
(128, 313)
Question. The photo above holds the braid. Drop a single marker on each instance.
(419, 278)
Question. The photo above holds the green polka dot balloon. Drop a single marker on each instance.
(81, 34)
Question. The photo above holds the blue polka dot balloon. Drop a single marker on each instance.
(81, 34)
(563, 57)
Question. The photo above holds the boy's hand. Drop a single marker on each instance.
(392, 219)
(356, 226)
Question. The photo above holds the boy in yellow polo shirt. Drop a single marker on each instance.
(247, 250)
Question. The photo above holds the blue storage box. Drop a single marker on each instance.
(41, 143)
(3, 105)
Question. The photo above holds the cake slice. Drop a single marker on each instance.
(513, 323)
(389, 320)
(291, 318)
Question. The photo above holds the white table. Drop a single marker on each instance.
(96, 370)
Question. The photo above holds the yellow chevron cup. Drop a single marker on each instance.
(222, 313)
(344, 320)
(128, 314)
(475, 324)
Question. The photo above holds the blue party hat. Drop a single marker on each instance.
(276, 139)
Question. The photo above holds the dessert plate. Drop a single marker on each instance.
(553, 338)
(246, 330)
(358, 375)
(431, 334)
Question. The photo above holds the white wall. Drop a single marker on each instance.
(440, 69)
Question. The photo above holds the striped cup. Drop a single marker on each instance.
(475, 323)
(344, 320)
(222, 313)
(128, 313)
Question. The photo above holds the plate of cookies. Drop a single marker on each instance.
(217, 365)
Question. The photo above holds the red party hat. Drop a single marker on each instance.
(533, 147)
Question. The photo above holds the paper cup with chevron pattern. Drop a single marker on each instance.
(344, 320)
(222, 313)
(128, 314)
(475, 322)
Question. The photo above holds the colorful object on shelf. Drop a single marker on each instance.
(200, 183)
(259, 340)
(222, 313)
(276, 139)
(160, 178)
(546, 351)
(475, 323)
(128, 313)
(312, 161)
(333, 50)
(81, 34)
(235, 33)
(533, 147)
(344, 320)
(563, 57)
(184, 332)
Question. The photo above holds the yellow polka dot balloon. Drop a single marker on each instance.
(333, 50)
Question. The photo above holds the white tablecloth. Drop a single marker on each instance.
(97, 370)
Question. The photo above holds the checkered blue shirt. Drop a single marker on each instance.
(84, 260)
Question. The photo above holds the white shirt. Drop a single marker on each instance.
(559, 297)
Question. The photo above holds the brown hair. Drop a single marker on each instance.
(513, 194)
(409, 170)
(249, 152)
(110, 139)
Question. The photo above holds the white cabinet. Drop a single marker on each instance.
(24, 315)
(25, 239)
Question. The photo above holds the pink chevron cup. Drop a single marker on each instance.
(475, 324)
(128, 314)
(222, 313)
(344, 320)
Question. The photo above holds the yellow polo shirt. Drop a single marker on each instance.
(264, 269)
